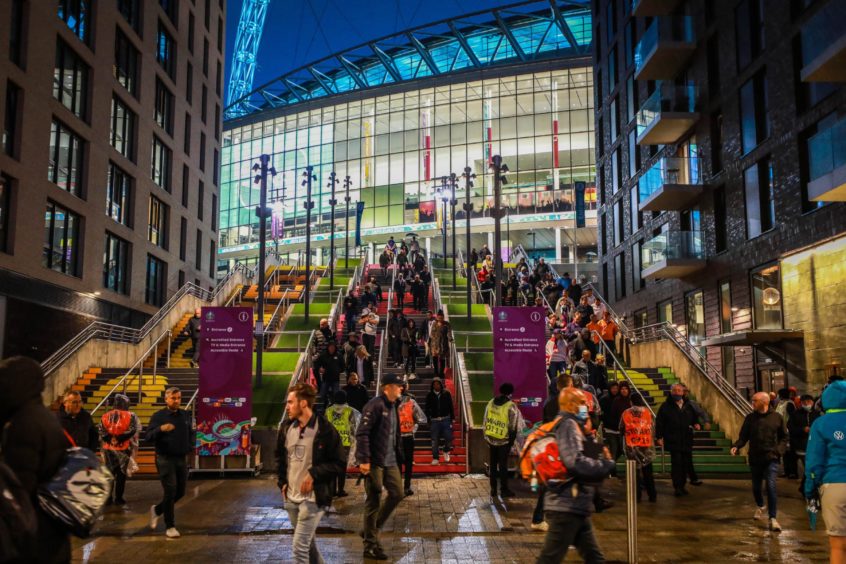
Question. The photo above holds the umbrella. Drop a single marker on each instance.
(813, 508)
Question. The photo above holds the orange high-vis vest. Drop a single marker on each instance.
(406, 417)
(638, 428)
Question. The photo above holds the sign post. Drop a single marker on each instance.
(519, 356)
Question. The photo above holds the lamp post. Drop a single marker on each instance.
(308, 177)
(444, 218)
(468, 207)
(347, 184)
(262, 212)
(453, 182)
(499, 169)
(333, 181)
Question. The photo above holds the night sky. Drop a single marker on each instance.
(291, 38)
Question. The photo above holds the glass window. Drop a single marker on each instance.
(620, 276)
(14, 101)
(201, 189)
(129, 10)
(198, 251)
(157, 222)
(6, 185)
(116, 260)
(618, 222)
(166, 51)
(16, 32)
(641, 318)
(635, 208)
(725, 307)
(164, 107)
(119, 195)
(612, 69)
(212, 261)
(171, 8)
(77, 14)
(61, 240)
(156, 281)
(70, 80)
(760, 198)
(65, 164)
(123, 129)
(183, 237)
(749, 31)
(766, 297)
(126, 63)
(665, 311)
(637, 280)
(754, 115)
(161, 164)
(189, 83)
(614, 119)
(720, 219)
(695, 316)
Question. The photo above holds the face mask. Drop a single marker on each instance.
(807, 407)
(677, 397)
(582, 415)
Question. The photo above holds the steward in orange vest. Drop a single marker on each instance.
(637, 426)
(410, 416)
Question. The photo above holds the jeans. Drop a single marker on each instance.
(114, 462)
(411, 359)
(340, 481)
(556, 367)
(408, 459)
(195, 344)
(440, 362)
(395, 349)
(328, 388)
(441, 428)
(305, 516)
(173, 473)
(680, 462)
(369, 342)
(499, 466)
(377, 512)
(768, 472)
(567, 529)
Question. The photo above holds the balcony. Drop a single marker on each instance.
(667, 115)
(647, 8)
(672, 183)
(665, 48)
(827, 155)
(673, 254)
(824, 45)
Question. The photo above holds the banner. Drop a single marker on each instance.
(359, 211)
(224, 400)
(580, 204)
(426, 212)
(519, 357)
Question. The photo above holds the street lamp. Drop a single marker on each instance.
(347, 184)
(308, 177)
(333, 181)
(468, 207)
(453, 182)
(444, 218)
(499, 169)
(262, 212)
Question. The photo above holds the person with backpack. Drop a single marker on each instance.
(637, 428)
(410, 417)
(171, 431)
(502, 422)
(117, 428)
(344, 419)
(33, 446)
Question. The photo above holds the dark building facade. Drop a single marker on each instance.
(720, 165)
(109, 151)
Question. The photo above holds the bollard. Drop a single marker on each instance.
(631, 509)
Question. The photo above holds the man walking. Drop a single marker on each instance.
(370, 323)
(309, 457)
(77, 422)
(440, 336)
(410, 416)
(192, 330)
(440, 411)
(379, 455)
(636, 427)
(344, 419)
(502, 422)
(674, 431)
(764, 430)
(170, 429)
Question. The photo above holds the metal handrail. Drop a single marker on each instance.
(335, 312)
(303, 365)
(384, 344)
(624, 329)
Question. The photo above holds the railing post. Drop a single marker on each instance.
(140, 378)
(169, 343)
(631, 509)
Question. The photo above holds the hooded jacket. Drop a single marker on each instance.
(825, 457)
(33, 446)
(439, 404)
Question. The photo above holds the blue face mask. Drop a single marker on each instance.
(677, 397)
(582, 415)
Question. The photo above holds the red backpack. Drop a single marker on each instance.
(540, 455)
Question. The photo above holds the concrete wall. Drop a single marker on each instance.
(665, 353)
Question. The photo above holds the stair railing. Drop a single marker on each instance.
(384, 344)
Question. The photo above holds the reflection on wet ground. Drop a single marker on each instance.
(450, 519)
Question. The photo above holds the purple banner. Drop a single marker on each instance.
(224, 401)
(519, 356)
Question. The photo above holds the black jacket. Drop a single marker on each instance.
(439, 405)
(331, 363)
(550, 409)
(373, 433)
(193, 327)
(33, 446)
(800, 419)
(352, 366)
(179, 441)
(357, 396)
(605, 403)
(766, 437)
(81, 428)
(327, 458)
(675, 425)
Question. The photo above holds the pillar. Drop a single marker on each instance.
(557, 244)
(490, 241)
(428, 243)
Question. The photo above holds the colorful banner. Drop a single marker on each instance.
(359, 211)
(519, 357)
(224, 400)
(580, 204)
(426, 212)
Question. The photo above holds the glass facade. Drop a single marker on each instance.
(396, 149)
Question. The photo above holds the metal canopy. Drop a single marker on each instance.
(753, 337)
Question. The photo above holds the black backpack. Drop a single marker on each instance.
(18, 520)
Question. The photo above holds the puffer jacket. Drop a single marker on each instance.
(577, 495)
(825, 457)
(373, 433)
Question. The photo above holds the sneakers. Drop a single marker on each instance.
(172, 533)
(154, 519)
(446, 457)
(412, 376)
(435, 462)
(774, 526)
(543, 526)
(759, 514)
(375, 554)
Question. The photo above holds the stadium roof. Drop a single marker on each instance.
(526, 31)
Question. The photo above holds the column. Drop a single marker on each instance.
(490, 241)
(428, 244)
(557, 244)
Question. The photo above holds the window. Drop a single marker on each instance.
(207, 14)
(610, 13)
(211, 258)
(6, 184)
(754, 118)
(189, 83)
(220, 35)
(641, 318)
(157, 223)
(218, 80)
(126, 63)
(635, 210)
(612, 69)
(620, 276)
(618, 222)
(204, 104)
(637, 280)
(119, 195)
(695, 316)
(716, 142)
(70, 80)
(631, 99)
(61, 240)
(181, 279)
(198, 251)
(123, 129)
(206, 58)
(202, 151)
(615, 171)
(164, 107)
(614, 118)
(217, 122)
(628, 44)
(805, 160)
(215, 167)
(183, 237)
(156, 281)
(116, 260)
(185, 186)
(171, 8)
(760, 202)
(713, 63)
(725, 307)
(634, 154)
(76, 13)
(720, 219)
(749, 31)
(65, 164)
(766, 297)
(14, 102)
(214, 213)
(200, 204)
(16, 33)
(665, 311)
(166, 51)
(129, 10)
(161, 164)
(186, 141)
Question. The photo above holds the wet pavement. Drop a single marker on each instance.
(450, 519)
